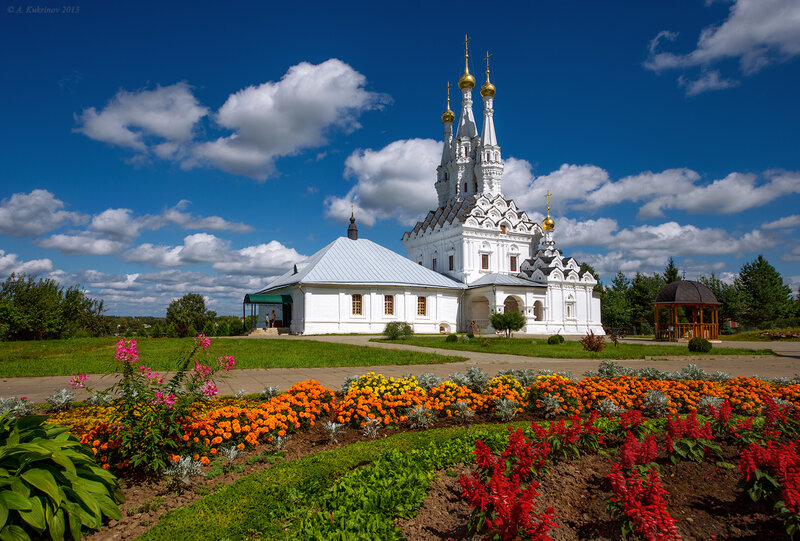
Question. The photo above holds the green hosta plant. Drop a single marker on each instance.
(50, 484)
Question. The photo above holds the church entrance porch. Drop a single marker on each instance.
(479, 312)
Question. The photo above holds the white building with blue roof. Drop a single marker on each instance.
(477, 253)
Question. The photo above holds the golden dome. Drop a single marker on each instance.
(487, 89)
(448, 116)
(548, 223)
(466, 81)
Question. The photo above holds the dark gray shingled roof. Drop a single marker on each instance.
(686, 292)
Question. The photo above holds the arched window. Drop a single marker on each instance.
(465, 186)
(538, 310)
(357, 305)
(571, 307)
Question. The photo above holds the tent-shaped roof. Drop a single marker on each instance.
(361, 262)
(686, 292)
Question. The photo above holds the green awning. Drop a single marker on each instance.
(254, 298)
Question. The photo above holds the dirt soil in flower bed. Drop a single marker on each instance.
(705, 500)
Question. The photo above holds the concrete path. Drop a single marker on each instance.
(785, 363)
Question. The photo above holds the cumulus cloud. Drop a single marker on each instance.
(34, 213)
(264, 122)
(587, 232)
(10, 263)
(281, 118)
(158, 120)
(395, 182)
(569, 184)
(783, 223)
(272, 258)
(756, 32)
(81, 244)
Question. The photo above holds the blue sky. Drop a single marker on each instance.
(153, 149)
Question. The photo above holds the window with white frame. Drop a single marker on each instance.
(484, 261)
(388, 305)
(571, 307)
(357, 304)
(512, 263)
(422, 306)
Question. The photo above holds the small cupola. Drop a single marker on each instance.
(352, 230)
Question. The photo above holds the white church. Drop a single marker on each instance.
(477, 253)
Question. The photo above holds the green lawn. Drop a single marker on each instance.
(96, 355)
(568, 350)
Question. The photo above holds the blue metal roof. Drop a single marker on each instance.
(504, 280)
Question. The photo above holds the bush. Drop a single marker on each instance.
(593, 342)
(452, 337)
(397, 330)
(65, 488)
(507, 322)
(209, 329)
(236, 327)
(699, 345)
(645, 328)
(470, 335)
(157, 331)
(223, 329)
(555, 340)
(171, 332)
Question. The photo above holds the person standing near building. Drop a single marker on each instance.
(272, 318)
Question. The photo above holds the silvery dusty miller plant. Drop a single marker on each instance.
(182, 471)
(17, 407)
(551, 405)
(230, 452)
(607, 407)
(464, 411)
(476, 379)
(270, 392)
(332, 429)
(706, 401)
(506, 409)
(428, 381)
(60, 400)
(371, 428)
(420, 417)
(656, 403)
(280, 441)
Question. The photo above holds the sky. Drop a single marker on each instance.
(152, 149)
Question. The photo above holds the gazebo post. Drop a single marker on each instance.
(655, 320)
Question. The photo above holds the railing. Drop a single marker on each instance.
(687, 331)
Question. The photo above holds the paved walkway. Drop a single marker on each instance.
(785, 363)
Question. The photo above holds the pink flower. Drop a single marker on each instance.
(164, 398)
(226, 362)
(209, 389)
(127, 352)
(149, 374)
(203, 369)
(203, 341)
(77, 382)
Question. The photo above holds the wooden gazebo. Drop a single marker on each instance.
(691, 309)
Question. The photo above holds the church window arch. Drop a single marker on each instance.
(538, 310)
(465, 186)
(570, 307)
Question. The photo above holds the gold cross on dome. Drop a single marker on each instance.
(466, 45)
(448, 94)
(488, 56)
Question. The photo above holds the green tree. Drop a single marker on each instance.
(764, 295)
(643, 292)
(157, 331)
(223, 329)
(39, 308)
(615, 308)
(236, 327)
(209, 329)
(728, 294)
(190, 310)
(671, 272)
(507, 321)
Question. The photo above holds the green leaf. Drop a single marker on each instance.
(12, 532)
(35, 516)
(62, 460)
(57, 526)
(74, 518)
(44, 481)
(3, 514)
(725, 465)
(109, 508)
(12, 500)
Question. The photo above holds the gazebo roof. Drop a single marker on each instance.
(686, 292)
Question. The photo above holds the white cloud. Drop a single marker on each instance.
(82, 244)
(709, 80)
(116, 223)
(588, 232)
(272, 258)
(569, 184)
(157, 119)
(10, 263)
(185, 220)
(783, 223)
(34, 213)
(281, 118)
(395, 182)
(642, 187)
(734, 193)
(793, 254)
(756, 32)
